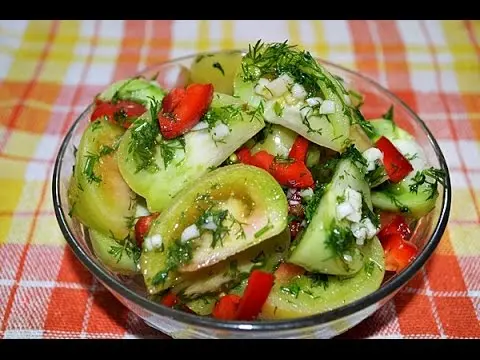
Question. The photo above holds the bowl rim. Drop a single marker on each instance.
(264, 325)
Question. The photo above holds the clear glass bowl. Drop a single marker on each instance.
(325, 325)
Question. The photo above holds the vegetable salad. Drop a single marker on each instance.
(251, 187)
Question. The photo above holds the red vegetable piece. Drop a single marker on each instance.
(256, 293)
(398, 252)
(292, 174)
(226, 307)
(142, 226)
(183, 110)
(397, 225)
(396, 165)
(170, 299)
(299, 149)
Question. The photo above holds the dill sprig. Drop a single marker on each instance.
(223, 222)
(128, 248)
(144, 139)
(312, 203)
(340, 240)
(168, 149)
(272, 60)
(430, 178)
(89, 168)
(178, 254)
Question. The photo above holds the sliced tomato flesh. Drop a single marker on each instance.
(396, 165)
(256, 293)
(182, 110)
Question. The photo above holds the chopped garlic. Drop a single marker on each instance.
(209, 224)
(220, 131)
(298, 92)
(190, 232)
(280, 85)
(306, 193)
(347, 99)
(327, 107)
(200, 126)
(314, 101)
(372, 155)
(347, 258)
(153, 242)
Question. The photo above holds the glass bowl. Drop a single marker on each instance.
(179, 324)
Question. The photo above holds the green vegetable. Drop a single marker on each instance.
(98, 196)
(276, 140)
(137, 89)
(217, 69)
(232, 271)
(326, 240)
(415, 196)
(250, 199)
(311, 294)
(119, 257)
(174, 165)
(272, 60)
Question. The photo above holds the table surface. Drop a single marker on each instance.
(50, 70)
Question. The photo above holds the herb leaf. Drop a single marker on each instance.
(430, 177)
(218, 66)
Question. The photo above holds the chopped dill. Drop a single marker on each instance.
(128, 248)
(88, 170)
(263, 230)
(429, 179)
(168, 148)
(178, 254)
(144, 134)
(218, 66)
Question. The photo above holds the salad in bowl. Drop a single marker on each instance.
(252, 187)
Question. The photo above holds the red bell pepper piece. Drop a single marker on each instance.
(244, 155)
(170, 299)
(263, 160)
(121, 112)
(292, 174)
(398, 252)
(396, 165)
(396, 225)
(256, 293)
(142, 226)
(299, 149)
(182, 110)
(226, 307)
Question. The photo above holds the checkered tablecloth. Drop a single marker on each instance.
(50, 70)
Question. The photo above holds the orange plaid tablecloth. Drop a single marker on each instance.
(50, 70)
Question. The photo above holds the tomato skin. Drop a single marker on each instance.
(182, 109)
(256, 293)
(396, 165)
(299, 149)
(142, 226)
(226, 307)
